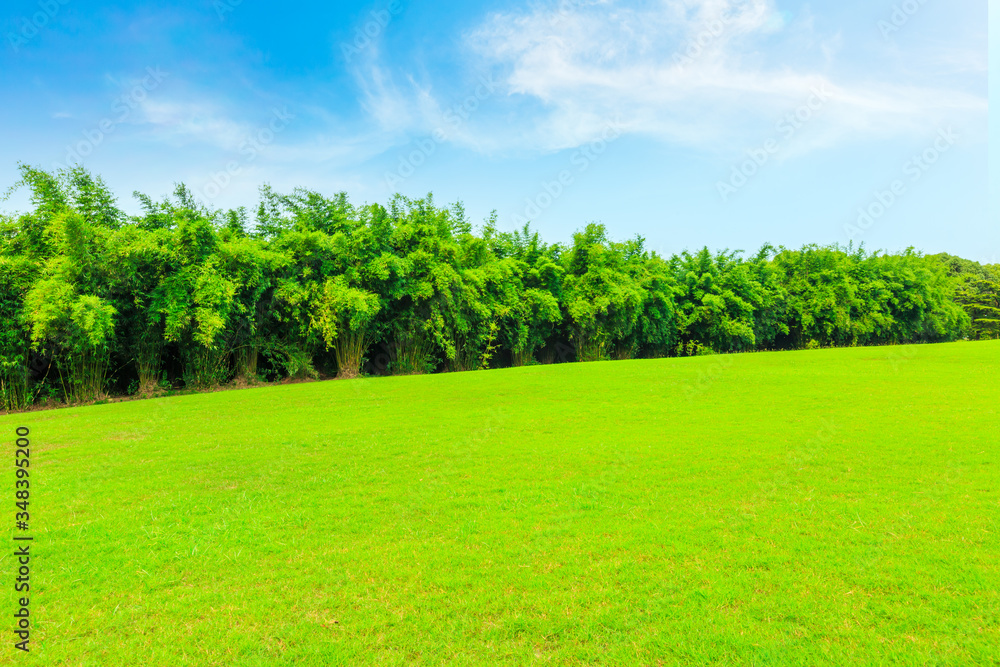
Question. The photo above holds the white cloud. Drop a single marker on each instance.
(695, 72)
(186, 121)
(207, 124)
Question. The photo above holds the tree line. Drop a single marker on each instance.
(96, 302)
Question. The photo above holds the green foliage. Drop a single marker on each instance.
(16, 276)
(343, 316)
(981, 299)
(977, 291)
(78, 328)
(845, 296)
(715, 301)
(186, 295)
(603, 300)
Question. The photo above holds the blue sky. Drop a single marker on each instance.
(727, 123)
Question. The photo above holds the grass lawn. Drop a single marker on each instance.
(818, 507)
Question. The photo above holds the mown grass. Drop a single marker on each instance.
(824, 507)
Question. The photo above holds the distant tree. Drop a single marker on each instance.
(426, 315)
(93, 300)
(602, 298)
(978, 292)
(981, 299)
(17, 274)
(715, 298)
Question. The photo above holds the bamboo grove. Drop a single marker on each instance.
(94, 302)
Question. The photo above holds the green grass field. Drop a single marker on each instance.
(821, 507)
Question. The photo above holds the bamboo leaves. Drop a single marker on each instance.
(189, 296)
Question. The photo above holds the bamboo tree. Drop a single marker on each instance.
(602, 298)
(317, 281)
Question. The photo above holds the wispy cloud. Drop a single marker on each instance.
(183, 122)
(210, 123)
(712, 74)
(695, 72)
